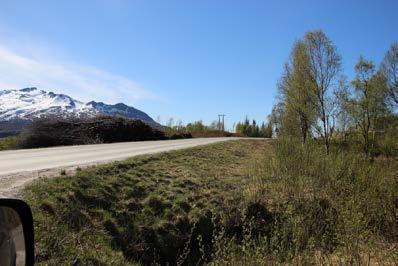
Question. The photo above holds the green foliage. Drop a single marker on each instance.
(147, 210)
(387, 136)
(266, 130)
(369, 104)
(312, 104)
(334, 208)
(296, 90)
(306, 89)
(330, 204)
(388, 144)
(389, 69)
(316, 199)
(324, 68)
(197, 128)
(254, 130)
(251, 202)
(8, 143)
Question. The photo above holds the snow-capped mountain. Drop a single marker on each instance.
(31, 103)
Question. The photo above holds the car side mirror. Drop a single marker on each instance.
(16, 233)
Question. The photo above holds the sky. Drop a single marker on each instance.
(187, 60)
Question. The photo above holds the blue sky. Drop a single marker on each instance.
(184, 59)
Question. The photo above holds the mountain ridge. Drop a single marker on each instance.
(19, 106)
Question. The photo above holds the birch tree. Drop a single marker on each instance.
(324, 66)
(389, 68)
(369, 104)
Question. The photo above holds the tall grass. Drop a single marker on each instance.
(336, 208)
(154, 209)
(239, 202)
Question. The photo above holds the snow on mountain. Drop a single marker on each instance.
(32, 103)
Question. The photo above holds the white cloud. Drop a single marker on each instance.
(22, 67)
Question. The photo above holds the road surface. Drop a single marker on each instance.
(21, 166)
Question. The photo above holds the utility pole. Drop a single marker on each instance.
(221, 127)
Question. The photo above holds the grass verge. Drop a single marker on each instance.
(144, 210)
(246, 202)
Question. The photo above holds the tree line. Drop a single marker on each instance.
(315, 99)
(192, 127)
(253, 129)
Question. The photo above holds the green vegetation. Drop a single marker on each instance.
(331, 186)
(316, 101)
(249, 201)
(318, 208)
(324, 192)
(146, 209)
(389, 68)
(8, 143)
(195, 129)
(254, 130)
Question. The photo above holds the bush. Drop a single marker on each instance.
(388, 144)
(8, 143)
(338, 205)
(60, 132)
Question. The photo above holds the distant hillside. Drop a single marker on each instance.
(95, 130)
(19, 107)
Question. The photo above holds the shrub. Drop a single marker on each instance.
(388, 144)
(8, 143)
(319, 204)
